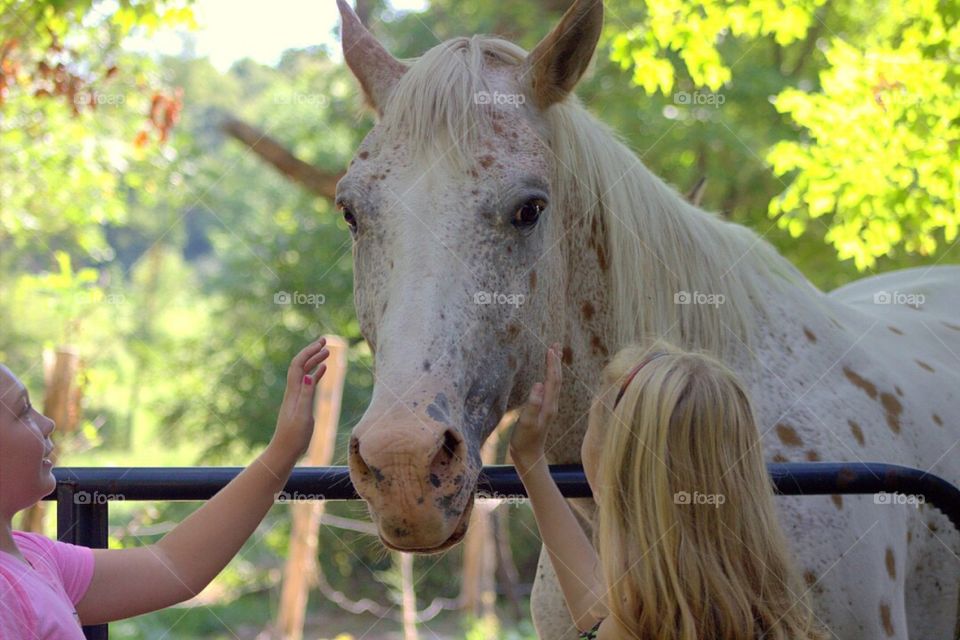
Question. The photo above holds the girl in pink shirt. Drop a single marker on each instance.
(48, 589)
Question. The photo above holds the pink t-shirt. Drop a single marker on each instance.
(38, 603)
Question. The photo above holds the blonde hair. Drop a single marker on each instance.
(688, 538)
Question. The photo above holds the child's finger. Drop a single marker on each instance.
(550, 388)
(298, 360)
(558, 378)
(305, 400)
(316, 359)
(296, 371)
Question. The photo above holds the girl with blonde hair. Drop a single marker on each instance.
(688, 542)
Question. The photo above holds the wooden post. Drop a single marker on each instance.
(300, 570)
(408, 596)
(478, 594)
(61, 403)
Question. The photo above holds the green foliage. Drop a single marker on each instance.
(900, 111)
(72, 105)
(876, 158)
(684, 34)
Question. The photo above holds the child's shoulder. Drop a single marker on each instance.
(32, 540)
(51, 555)
(36, 547)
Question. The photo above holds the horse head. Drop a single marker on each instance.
(458, 268)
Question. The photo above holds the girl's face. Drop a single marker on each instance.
(26, 472)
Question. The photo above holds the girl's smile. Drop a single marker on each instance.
(26, 468)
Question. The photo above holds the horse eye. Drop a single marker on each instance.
(348, 216)
(528, 213)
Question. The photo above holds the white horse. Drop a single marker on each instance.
(492, 215)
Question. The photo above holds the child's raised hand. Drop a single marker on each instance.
(295, 420)
(530, 433)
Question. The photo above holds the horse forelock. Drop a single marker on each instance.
(438, 107)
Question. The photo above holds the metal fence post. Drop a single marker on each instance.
(82, 519)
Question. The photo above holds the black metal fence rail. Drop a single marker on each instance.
(83, 494)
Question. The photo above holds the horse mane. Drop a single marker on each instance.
(657, 244)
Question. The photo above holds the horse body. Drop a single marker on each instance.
(458, 302)
(848, 376)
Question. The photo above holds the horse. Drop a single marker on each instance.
(492, 215)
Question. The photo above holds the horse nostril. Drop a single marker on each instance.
(357, 464)
(451, 454)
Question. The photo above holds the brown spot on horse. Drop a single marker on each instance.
(893, 408)
(587, 310)
(602, 257)
(533, 280)
(837, 501)
(567, 357)
(812, 455)
(924, 365)
(810, 335)
(895, 330)
(596, 241)
(886, 620)
(788, 435)
(868, 387)
(938, 420)
(857, 431)
(891, 564)
(597, 345)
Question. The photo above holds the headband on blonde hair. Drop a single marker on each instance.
(634, 371)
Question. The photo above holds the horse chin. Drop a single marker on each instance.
(458, 533)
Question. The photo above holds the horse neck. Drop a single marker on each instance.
(625, 269)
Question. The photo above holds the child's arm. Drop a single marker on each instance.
(571, 553)
(129, 582)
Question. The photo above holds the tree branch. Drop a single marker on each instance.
(306, 175)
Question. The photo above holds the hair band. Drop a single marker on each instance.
(634, 371)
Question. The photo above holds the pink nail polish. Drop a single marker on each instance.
(307, 380)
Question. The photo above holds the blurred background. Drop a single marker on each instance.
(166, 183)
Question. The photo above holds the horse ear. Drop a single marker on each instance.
(374, 67)
(555, 65)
